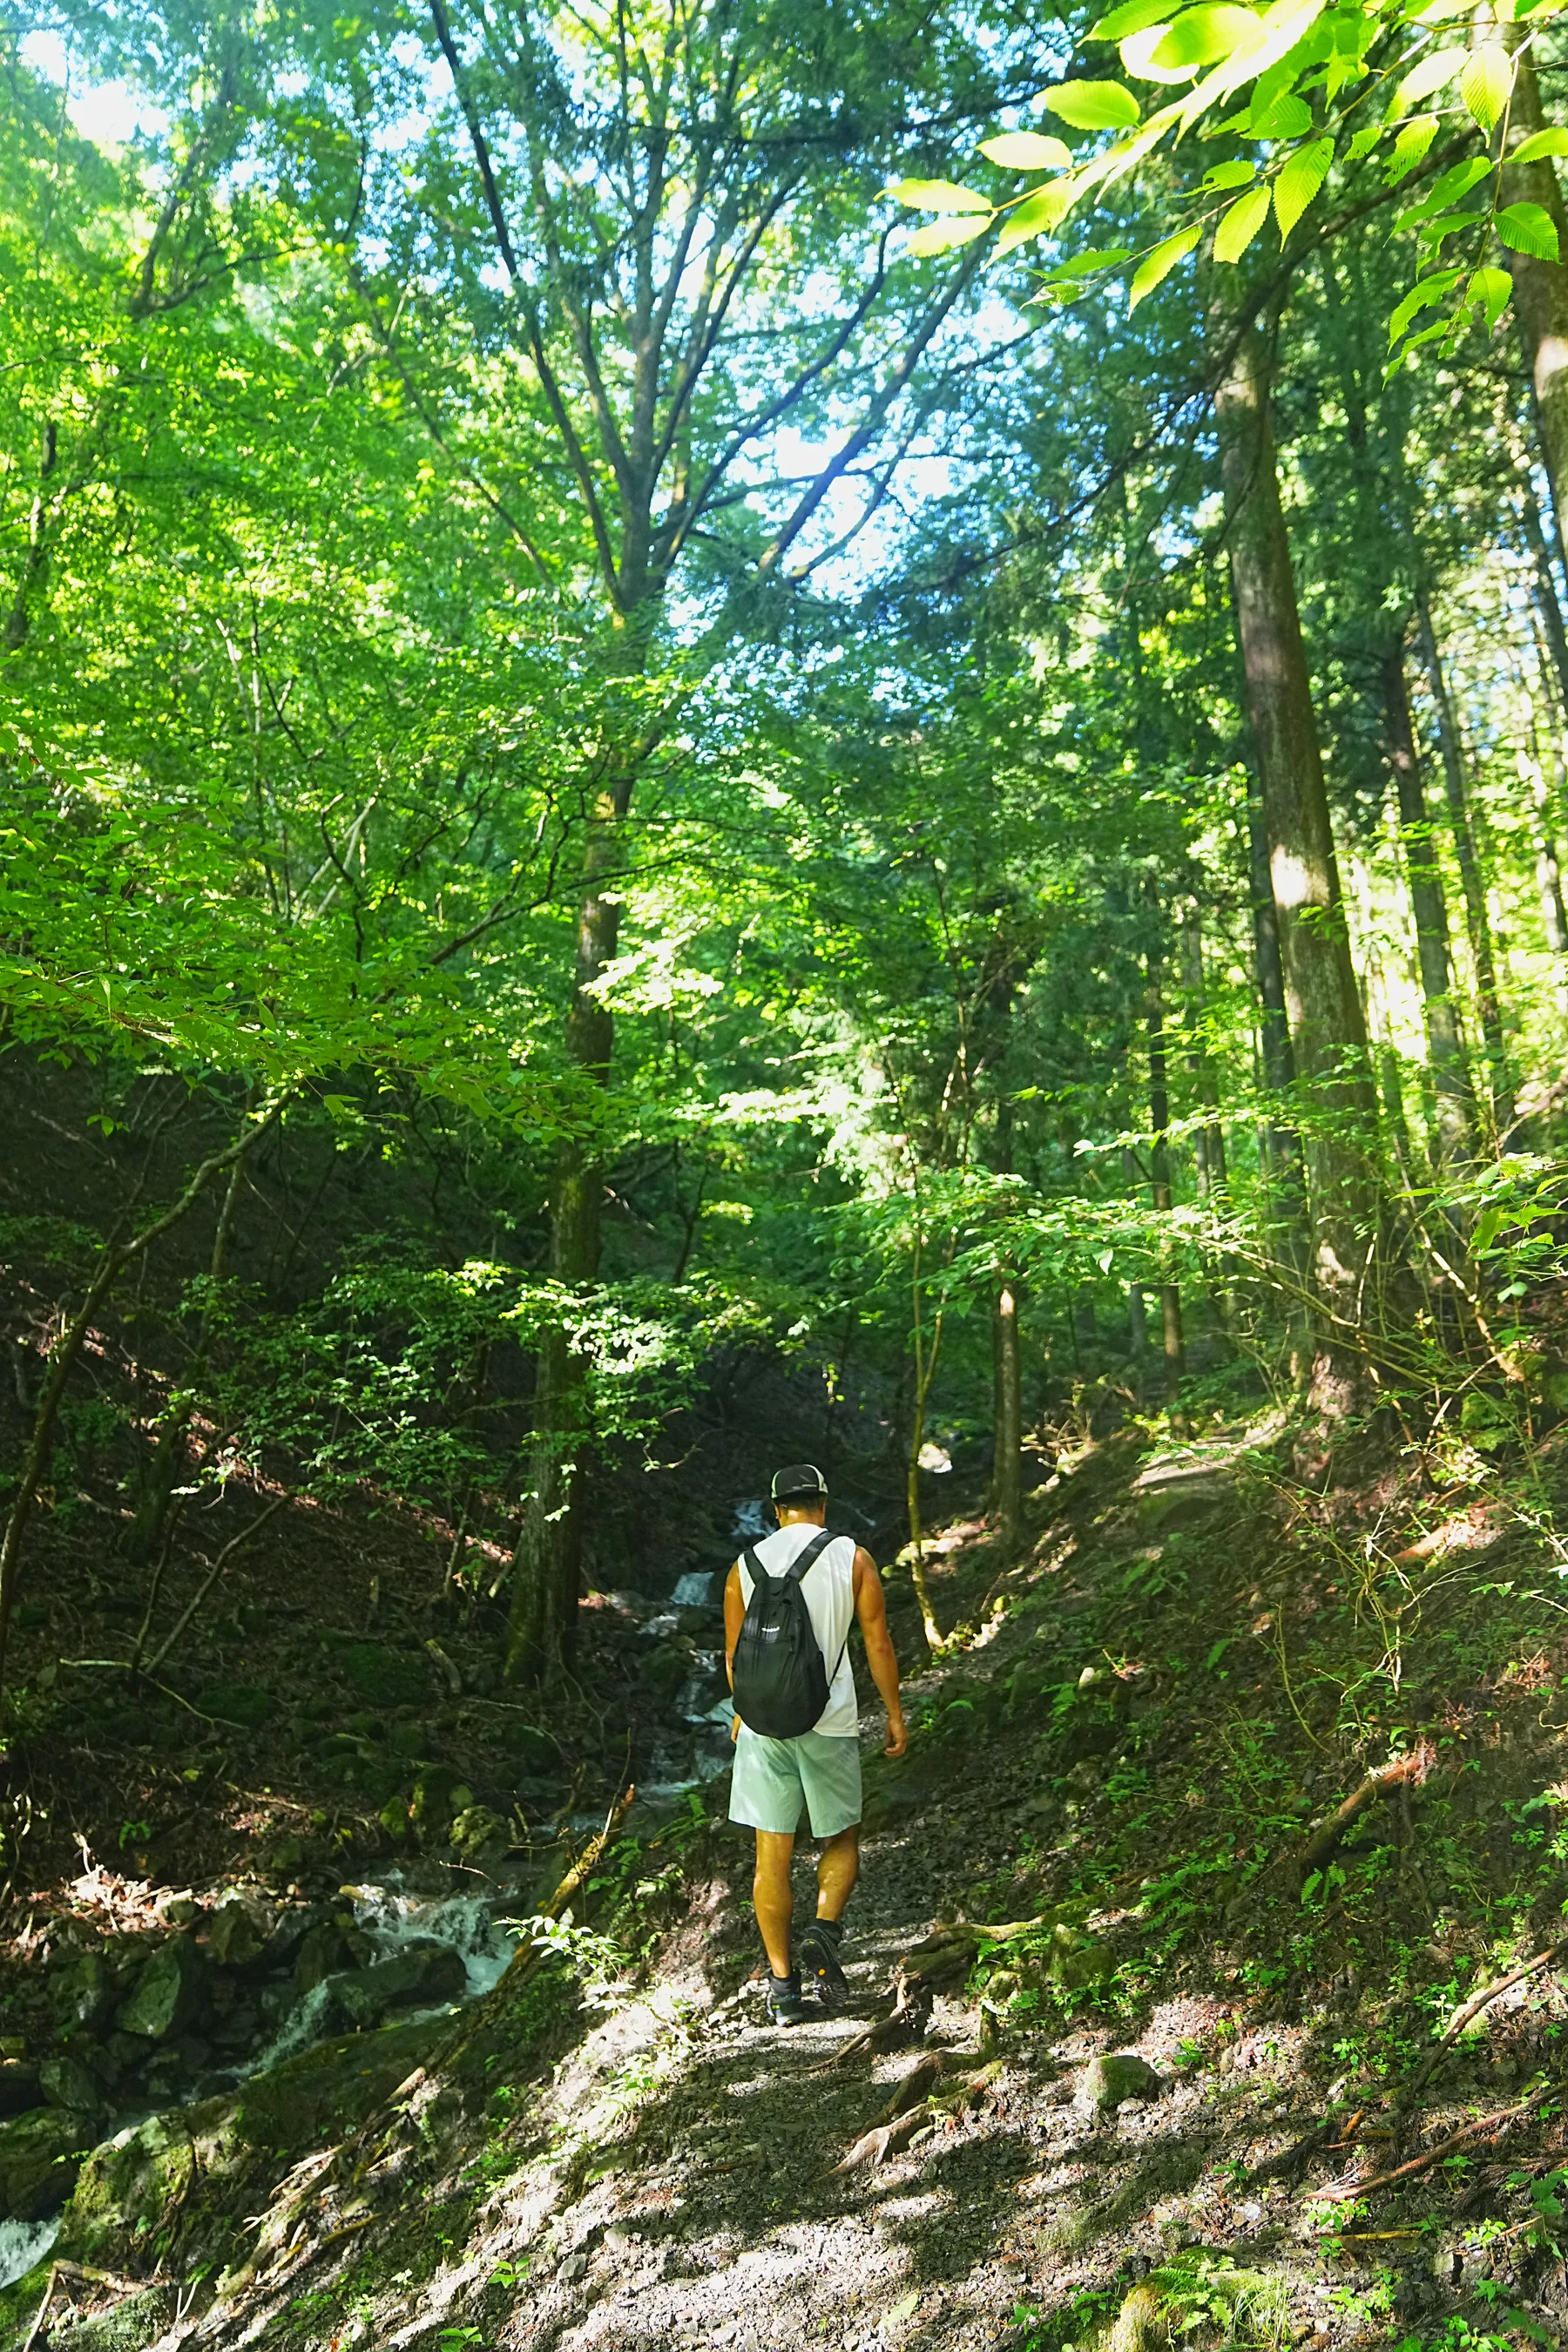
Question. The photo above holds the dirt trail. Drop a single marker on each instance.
(1143, 1726)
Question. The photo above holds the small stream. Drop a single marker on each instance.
(410, 1942)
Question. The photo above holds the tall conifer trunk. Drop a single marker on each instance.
(1478, 920)
(1160, 1174)
(1327, 1032)
(1539, 288)
(1445, 1049)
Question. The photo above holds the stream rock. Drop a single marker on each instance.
(66, 2082)
(135, 2322)
(20, 2088)
(41, 2155)
(82, 1992)
(167, 1993)
(238, 1931)
(422, 1973)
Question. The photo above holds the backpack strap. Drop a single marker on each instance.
(808, 1555)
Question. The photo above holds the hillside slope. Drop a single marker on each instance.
(1156, 1752)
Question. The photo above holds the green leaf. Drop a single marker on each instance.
(938, 196)
(1241, 224)
(1363, 143)
(1446, 224)
(1285, 116)
(1420, 298)
(1087, 264)
(1485, 81)
(942, 236)
(1202, 35)
(1529, 229)
(1539, 144)
(1299, 182)
(1159, 264)
(1432, 72)
(1233, 175)
(1409, 148)
(1027, 150)
(1094, 105)
(1135, 17)
(1491, 287)
(1039, 213)
(1458, 181)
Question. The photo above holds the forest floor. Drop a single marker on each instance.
(1138, 1741)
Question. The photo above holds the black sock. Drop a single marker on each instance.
(831, 1930)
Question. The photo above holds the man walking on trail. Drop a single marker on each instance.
(818, 1768)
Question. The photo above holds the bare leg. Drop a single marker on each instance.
(837, 1871)
(771, 1895)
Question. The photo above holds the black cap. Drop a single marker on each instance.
(799, 1482)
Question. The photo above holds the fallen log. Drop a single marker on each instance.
(1410, 1769)
(1493, 2124)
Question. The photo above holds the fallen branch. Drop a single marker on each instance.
(1411, 1768)
(1493, 2124)
(213, 1572)
(1483, 1999)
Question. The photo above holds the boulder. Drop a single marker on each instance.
(131, 2183)
(1121, 2074)
(433, 1807)
(238, 1931)
(166, 1994)
(82, 1992)
(422, 1973)
(323, 1950)
(135, 2323)
(20, 2088)
(68, 2082)
(41, 2155)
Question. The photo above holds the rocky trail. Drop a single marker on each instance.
(1153, 1946)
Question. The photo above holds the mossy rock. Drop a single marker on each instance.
(129, 2185)
(134, 2324)
(322, 2093)
(41, 2155)
(390, 1677)
(246, 1704)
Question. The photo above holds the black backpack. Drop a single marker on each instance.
(780, 1679)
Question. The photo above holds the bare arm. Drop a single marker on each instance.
(872, 1612)
(734, 1615)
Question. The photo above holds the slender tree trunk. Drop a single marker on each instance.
(1009, 1482)
(1477, 921)
(1547, 604)
(1160, 1175)
(1327, 1032)
(1209, 1141)
(1445, 1048)
(1539, 288)
(543, 1625)
(36, 561)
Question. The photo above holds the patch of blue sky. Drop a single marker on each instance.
(109, 113)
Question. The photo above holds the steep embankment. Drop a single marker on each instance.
(1152, 1742)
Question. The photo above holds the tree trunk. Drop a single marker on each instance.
(1159, 1176)
(1477, 921)
(1445, 1049)
(1327, 1033)
(1547, 604)
(542, 1625)
(1008, 1484)
(1208, 1143)
(1539, 288)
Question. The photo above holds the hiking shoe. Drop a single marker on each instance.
(819, 1963)
(782, 2001)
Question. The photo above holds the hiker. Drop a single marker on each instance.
(797, 1722)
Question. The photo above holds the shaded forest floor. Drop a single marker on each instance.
(1136, 1740)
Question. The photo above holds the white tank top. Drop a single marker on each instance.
(829, 1589)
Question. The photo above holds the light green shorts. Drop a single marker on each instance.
(773, 1779)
